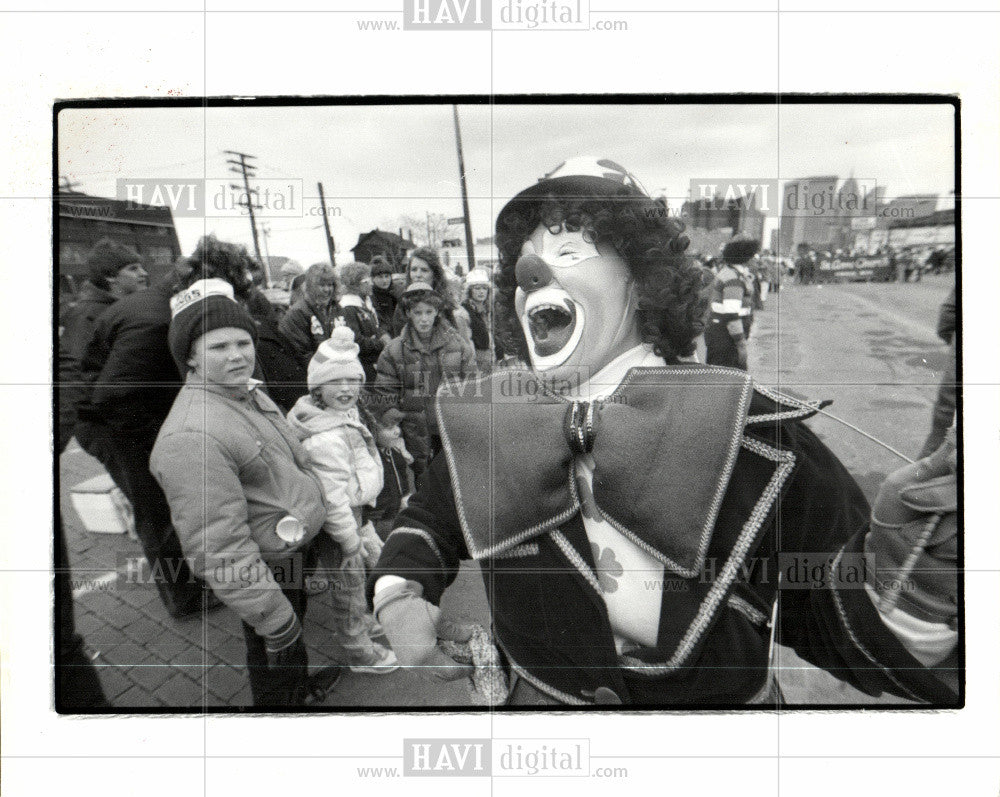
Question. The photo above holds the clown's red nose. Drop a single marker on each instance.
(532, 273)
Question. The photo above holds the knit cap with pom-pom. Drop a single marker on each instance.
(336, 358)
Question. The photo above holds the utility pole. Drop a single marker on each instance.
(66, 185)
(430, 241)
(326, 225)
(266, 232)
(246, 169)
(470, 252)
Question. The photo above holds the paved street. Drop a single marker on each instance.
(870, 348)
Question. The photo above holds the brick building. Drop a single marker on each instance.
(83, 220)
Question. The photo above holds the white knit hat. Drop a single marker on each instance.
(336, 358)
(478, 276)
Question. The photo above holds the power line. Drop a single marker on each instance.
(148, 168)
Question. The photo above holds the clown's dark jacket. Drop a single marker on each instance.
(788, 501)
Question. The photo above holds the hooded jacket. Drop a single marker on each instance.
(343, 455)
(409, 370)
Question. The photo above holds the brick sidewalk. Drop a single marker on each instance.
(146, 659)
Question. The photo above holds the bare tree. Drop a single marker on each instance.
(430, 230)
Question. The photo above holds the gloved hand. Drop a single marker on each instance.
(891, 507)
(351, 547)
(914, 539)
(391, 438)
(392, 417)
(285, 646)
(371, 545)
(413, 627)
(352, 562)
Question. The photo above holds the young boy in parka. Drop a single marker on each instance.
(631, 509)
(412, 367)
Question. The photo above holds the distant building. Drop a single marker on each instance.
(83, 220)
(926, 230)
(807, 215)
(710, 223)
(906, 208)
(817, 212)
(456, 257)
(387, 244)
(775, 242)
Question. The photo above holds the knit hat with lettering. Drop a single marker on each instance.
(336, 358)
(206, 305)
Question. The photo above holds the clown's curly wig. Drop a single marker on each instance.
(672, 294)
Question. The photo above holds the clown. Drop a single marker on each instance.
(631, 509)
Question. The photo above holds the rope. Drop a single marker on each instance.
(890, 601)
(865, 434)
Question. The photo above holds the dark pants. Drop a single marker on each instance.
(283, 686)
(77, 685)
(125, 455)
(719, 346)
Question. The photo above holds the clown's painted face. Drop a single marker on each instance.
(577, 306)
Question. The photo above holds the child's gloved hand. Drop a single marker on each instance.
(388, 435)
(413, 627)
(371, 545)
(352, 560)
(354, 563)
(391, 438)
(392, 417)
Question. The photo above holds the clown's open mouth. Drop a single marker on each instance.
(551, 326)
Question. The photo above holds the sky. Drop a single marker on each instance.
(381, 164)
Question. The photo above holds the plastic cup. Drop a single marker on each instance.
(290, 529)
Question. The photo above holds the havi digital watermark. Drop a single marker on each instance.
(498, 15)
(498, 758)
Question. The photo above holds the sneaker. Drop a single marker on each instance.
(383, 661)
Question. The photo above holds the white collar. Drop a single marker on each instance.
(351, 300)
(607, 380)
(611, 375)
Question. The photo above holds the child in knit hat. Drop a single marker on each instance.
(345, 457)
